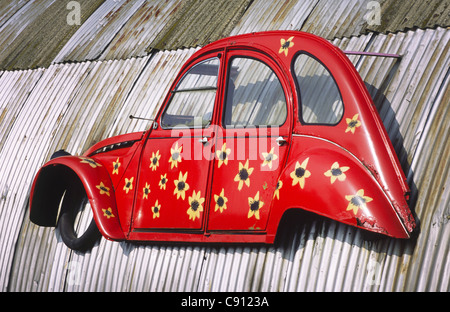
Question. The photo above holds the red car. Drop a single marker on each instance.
(253, 126)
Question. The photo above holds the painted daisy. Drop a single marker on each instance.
(336, 172)
(103, 189)
(154, 160)
(175, 155)
(300, 173)
(162, 183)
(243, 175)
(146, 191)
(357, 201)
(268, 158)
(352, 124)
(108, 213)
(222, 155)
(156, 209)
(128, 185)
(277, 190)
(255, 205)
(116, 165)
(221, 202)
(195, 205)
(285, 45)
(181, 186)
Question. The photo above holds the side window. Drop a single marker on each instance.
(254, 96)
(192, 101)
(320, 101)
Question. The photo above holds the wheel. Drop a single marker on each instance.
(74, 207)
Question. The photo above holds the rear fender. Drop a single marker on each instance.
(59, 174)
(324, 178)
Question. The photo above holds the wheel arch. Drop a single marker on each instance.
(60, 173)
(332, 200)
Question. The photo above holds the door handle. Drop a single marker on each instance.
(280, 141)
(203, 140)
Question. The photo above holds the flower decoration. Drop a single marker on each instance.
(285, 45)
(175, 155)
(222, 155)
(146, 191)
(116, 165)
(336, 172)
(243, 175)
(352, 123)
(195, 205)
(357, 201)
(221, 202)
(156, 209)
(162, 183)
(90, 161)
(128, 185)
(108, 213)
(181, 186)
(300, 173)
(255, 205)
(103, 189)
(154, 160)
(277, 189)
(268, 158)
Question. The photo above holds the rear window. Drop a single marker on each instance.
(320, 101)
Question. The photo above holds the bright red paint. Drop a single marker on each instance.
(143, 209)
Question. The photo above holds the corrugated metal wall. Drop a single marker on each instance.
(109, 67)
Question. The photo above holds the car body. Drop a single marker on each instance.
(254, 126)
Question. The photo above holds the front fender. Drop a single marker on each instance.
(57, 175)
(324, 178)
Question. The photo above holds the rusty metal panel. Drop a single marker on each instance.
(198, 22)
(35, 33)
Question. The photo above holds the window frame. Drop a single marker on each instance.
(225, 91)
(174, 91)
(299, 92)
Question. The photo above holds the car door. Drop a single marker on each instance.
(252, 143)
(173, 177)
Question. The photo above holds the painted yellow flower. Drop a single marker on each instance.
(221, 202)
(352, 124)
(277, 190)
(108, 213)
(195, 205)
(243, 175)
(116, 165)
(336, 172)
(90, 161)
(175, 155)
(154, 160)
(146, 191)
(268, 158)
(255, 205)
(222, 155)
(128, 185)
(162, 183)
(357, 201)
(156, 209)
(300, 173)
(181, 186)
(103, 189)
(285, 45)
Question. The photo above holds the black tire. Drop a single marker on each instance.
(74, 200)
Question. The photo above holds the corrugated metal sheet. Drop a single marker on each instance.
(72, 105)
(33, 36)
(404, 15)
(199, 22)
